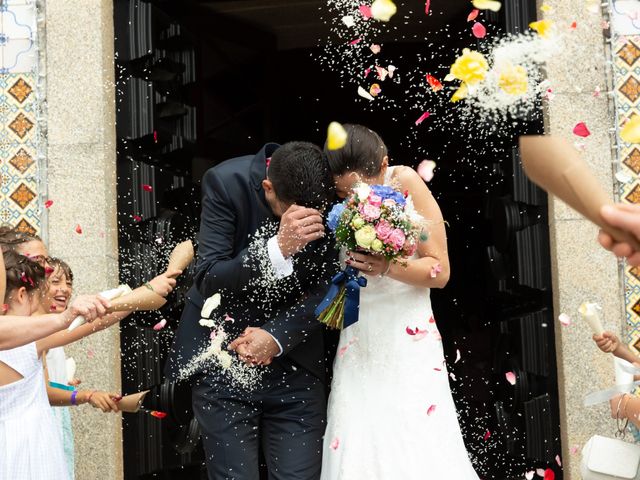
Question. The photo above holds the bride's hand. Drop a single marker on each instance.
(368, 264)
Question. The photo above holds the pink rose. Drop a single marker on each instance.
(375, 200)
(383, 230)
(370, 212)
(397, 238)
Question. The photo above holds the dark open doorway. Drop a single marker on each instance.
(203, 81)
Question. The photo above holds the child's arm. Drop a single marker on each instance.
(16, 331)
(107, 402)
(609, 343)
(162, 284)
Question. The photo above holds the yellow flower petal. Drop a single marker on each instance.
(471, 67)
(543, 27)
(336, 136)
(487, 5)
(630, 132)
(383, 10)
(513, 80)
(460, 94)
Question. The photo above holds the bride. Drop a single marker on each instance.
(391, 414)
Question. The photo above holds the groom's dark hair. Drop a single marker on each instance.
(299, 173)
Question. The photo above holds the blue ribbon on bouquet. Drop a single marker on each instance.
(352, 282)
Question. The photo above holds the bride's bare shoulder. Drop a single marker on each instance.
(407, 177)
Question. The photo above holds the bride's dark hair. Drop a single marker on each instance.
(363, 153)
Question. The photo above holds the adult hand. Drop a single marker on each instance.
(88, 306)
(368, 264)
(255, 346)
(625, 217)
(107, 402)
(164, 284)
(298, 227)
(607, 342)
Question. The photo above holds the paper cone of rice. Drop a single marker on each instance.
(554, 165)
(181, 256)
(131, 403)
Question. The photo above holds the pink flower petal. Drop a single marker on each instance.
(581, 130)
(426, 170)
(427, 7)
(158, 414)
(227, 318)
(375, 49)
(564, 319)
(410, 331)
(90, 353)
(435, 270)
(458, 356)
(160, 325)
(355, 42)
(437, 369)
(335, 443)
(558, 461)
(473, 15)
(367, 71)
(529, 475)
(343, 350)
(365, 11)
(597, 92)
(431, 410)
(479, 30)
(48, 204)
(487, 435)
(432, 320)
(137, 218)
(382, 73)
(573, 450)
(511, 377)
(540, 472)
(422, 118)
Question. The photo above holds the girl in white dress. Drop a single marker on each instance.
(391, 414)
(30, 440)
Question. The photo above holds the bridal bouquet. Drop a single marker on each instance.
(374, 220)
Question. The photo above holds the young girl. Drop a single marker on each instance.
(30, 446)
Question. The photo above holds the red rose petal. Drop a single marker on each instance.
(365, 11)
(147, 188)
(473, 15)
(479, 30)
(434, 83)
(573, 25)
(431, 410)
(432, 320)
(48, 204)
(137, 218)
(410, 331)
(160, 325)
(159, 415)
(78, 229)
(487, 435)
(422, 118)
(581, 130)
(549, 475)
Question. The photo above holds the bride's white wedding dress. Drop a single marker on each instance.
(391, 415)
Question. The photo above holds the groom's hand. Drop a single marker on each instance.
(298, 227)
(255, 346)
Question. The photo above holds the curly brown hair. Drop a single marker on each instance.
(55, 263)
(22, 272)
(10, 238)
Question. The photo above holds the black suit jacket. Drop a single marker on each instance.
(232, 260)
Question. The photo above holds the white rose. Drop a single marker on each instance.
(362, 190)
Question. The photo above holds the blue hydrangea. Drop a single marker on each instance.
(334, 216)
(386, 192)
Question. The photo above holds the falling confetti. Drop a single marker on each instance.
(365, 11)
(335, 443)
(458, 356)
(48, 204)
(160, 325)
(564, 319)
(147, 188)
(434, 83)
(157, 414)
(364, 94)
(336, 136)
(375, 48)
(479, 30)
(422, 117)
(427, 7)
(473, 15)
(581, 130)
(78, 229)
(486, 435)
(375, 90)
(511, 377)
(383, 10)
(494, 6)
(431, 410)
(558, 461)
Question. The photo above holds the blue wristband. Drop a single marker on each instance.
(73, 397)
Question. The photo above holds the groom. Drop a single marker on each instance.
(262, 246)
